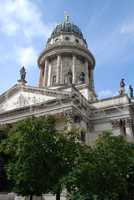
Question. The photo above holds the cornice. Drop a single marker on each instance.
(66, 47)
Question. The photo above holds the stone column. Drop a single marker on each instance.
(129, 129)
(92, 78)
(61, 72)
(58, 69)
(49, 75)
(116, 127)
(41, 76)
(74, 69)
(87, 73)
(45, 74)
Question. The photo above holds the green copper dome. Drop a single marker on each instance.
(67, 27)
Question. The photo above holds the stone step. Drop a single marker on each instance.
(6, 196)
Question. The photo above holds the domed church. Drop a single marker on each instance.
(66, 90)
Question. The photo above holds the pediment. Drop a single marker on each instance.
(18, 97)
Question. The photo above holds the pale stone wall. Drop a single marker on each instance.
(21, 99)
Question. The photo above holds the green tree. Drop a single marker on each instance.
(68, 152)
(31, 147)
(4, 183)
(103, 172)
(40, 157)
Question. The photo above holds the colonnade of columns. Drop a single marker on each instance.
(46, 69)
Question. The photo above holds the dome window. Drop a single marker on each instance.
(56, 40)
(77, 41)
(67, 38)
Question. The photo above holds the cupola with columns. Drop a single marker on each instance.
(67, 60)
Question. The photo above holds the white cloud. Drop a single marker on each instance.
(106, 93)
(127, 28)
(27, 56)
(21, 25)
(22, 16)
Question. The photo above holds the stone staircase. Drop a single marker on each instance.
(6, 196)
(12, 196)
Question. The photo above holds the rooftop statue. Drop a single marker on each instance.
(23, 75)
(122, 87)
(131, 91)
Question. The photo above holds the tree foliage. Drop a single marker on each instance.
(103, 173)
(31, 147)
(4, 183)
(40, 157)
(42, 160)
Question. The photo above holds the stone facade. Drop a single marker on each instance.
(66, 90)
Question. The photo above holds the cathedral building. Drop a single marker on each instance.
(66, 90)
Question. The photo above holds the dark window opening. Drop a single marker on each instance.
(77, 40)
(67, 38)
(123, 127)
(77, 119)
(56, 40)
(54, 80)
(83, 137)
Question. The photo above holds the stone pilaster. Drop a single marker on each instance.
(92, 79)
(129, 127)
(58, 69)
(41, 76)
(49, 75)
(45, 73)
(74, 69)
(61, 72)
(116, 126)
(87, 73)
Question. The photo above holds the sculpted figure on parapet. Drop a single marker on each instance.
(131, 91)
(23, 74)
(122, 87)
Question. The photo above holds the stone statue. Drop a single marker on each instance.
(131, 91)
(70, 77)
(22, 75)
(82, 77)
(122, 87)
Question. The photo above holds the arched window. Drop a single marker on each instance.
(82, 77)
(54, 80)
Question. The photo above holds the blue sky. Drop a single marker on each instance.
(107, 25)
